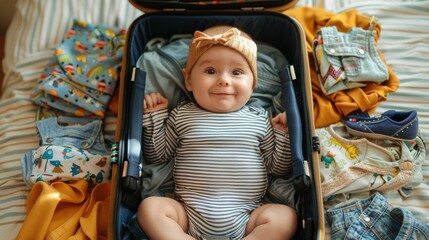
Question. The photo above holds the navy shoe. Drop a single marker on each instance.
(393, 125)
(358, 114)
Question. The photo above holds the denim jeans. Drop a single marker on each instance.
(374, 218)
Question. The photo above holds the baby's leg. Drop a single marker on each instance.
(271, 221)
(163, 218)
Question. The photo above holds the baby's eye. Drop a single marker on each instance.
(237, 72)
(210, 71)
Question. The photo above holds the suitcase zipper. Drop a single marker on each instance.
(252, 9)
(316, 143)
(174, 9)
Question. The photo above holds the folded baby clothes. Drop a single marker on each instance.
(81, 77)
(346, 60)
(70, 149)
(349, 164)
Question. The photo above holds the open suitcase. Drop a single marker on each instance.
(164, 19)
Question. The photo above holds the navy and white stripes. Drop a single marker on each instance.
(221, 162)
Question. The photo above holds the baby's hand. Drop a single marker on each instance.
(280, 122)
(154, 102)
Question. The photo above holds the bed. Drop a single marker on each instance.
(39, 25)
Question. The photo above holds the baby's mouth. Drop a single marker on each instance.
(222, 93)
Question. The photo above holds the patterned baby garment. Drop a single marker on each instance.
(69, 149)
(351, 165)
(81, 77)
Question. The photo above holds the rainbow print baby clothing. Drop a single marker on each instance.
(81, 77)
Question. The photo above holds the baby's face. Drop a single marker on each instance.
(221, 80)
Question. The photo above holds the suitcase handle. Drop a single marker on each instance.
(131, 167)
(290, 104)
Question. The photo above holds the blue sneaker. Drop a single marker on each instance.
(358, 114)
(393, 125)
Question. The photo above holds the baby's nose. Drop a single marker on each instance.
(223, 82)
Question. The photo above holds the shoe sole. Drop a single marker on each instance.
(374, 135)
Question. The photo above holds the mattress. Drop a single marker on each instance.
(39, 25)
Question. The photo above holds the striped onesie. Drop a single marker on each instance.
(221, 163)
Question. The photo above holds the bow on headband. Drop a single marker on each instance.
(201, 39)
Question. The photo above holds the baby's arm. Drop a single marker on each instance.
(158, 136)
(276, 147)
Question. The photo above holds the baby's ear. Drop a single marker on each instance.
(187, 77)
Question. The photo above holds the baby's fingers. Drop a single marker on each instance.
(154, 102)
(161, 100)
(280, 122)
(149, 101)
(282, 118)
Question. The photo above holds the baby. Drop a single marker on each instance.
(222, 148)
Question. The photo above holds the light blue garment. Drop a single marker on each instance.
(354, 51)
(82, 133)
(374, 218)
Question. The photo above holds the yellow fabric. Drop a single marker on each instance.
(331, 109)
(66, 211)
